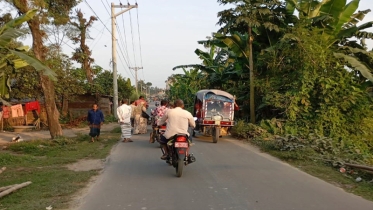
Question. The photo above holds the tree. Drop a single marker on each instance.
(103, 84)
(71, 81)
(8, 32)
(48, 12)
(252, 15)
(338, 23)
(83, 54)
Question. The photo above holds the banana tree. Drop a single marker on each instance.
(216, 64)
(185, 86)
(338, 22)
(251, 17)
(241, 45)
(17, 58)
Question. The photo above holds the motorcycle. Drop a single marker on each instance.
(178, 153)
(156, 135)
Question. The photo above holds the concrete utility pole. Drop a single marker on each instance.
(136, 69)
(114, 50)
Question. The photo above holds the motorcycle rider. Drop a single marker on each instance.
(178, 122)
(157, 114)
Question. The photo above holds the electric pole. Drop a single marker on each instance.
(114, 50)
(136, 69)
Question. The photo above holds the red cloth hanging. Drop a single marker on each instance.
(6, 112)
(32, 106)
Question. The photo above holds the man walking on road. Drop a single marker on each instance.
(124, 119)
(95, 119)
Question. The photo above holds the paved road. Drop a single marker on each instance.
(226, 175)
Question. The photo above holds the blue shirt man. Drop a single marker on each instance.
(95, 119)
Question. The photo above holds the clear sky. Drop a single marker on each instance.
(169, 31)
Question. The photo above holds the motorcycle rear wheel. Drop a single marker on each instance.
(179, 167)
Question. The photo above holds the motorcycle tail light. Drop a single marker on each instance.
(181, 138)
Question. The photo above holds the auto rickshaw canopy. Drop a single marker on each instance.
(213, 94)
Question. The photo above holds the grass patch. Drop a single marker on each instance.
(43, 162)
(306, 160)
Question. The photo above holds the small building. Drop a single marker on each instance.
(77, 107)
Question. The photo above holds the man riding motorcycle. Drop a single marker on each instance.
(157, 115)
(178, 122)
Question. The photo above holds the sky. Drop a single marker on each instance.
(158, 35)
(164, 35)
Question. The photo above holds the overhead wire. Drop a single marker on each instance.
(105, 27)
(125, 37)
(138, 30)
(133, 43)
(97, 16)
(98, 40)
(127, 60)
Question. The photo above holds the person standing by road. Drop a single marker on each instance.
(124, 118)
(140, 126)
(140, 101)
(95, 119)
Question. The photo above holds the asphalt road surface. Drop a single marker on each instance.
(227, 175)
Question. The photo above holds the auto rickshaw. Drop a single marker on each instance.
(214, 110)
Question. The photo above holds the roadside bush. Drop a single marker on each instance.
(110, 118)
(273, 126)
(243, 130)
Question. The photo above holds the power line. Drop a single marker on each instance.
(97, 17)
(107, 10)
(121, 38)
(125, 66)
(97, 40)
(133, 43)
(138, 29)
(104, 26)
(125, 37)
(127, 60)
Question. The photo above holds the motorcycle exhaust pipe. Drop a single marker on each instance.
(191, 159)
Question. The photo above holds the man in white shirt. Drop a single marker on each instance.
(124, 119)
(178, 122)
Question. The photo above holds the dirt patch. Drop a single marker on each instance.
(86, 165)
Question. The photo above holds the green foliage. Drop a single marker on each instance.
(43, 162)
(134, 96)
(273, 126)
(311, 72)
(186, 86)
(103, 84)
(243, 130)
(110, 118)
(16, 57)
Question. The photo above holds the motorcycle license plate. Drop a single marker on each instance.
(181, 144)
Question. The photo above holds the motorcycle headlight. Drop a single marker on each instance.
(217, 117)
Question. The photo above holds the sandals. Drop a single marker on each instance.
(127, 140)
(164, 157)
